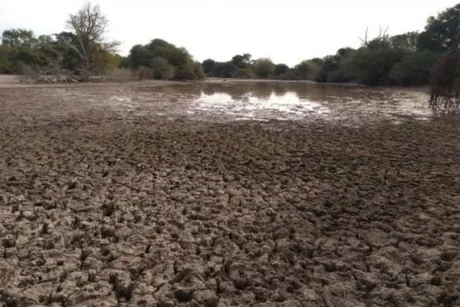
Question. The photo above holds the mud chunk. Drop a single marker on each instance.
(108, 209)
(107, 232)
(239, 282)
(73, 184)
(122, 286)
(206, 298)
(166, 303)
(9, 241)
(365, 282)
(183, 294)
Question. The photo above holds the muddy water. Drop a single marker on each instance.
(291, 101)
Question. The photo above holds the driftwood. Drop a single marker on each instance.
(51, 74)
(445, 83)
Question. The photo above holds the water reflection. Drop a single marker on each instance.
(295, 101)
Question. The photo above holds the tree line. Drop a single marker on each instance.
(83, 52)
(405, 59)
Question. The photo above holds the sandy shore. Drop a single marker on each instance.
(100, 207)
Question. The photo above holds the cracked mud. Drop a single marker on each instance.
(141, 205)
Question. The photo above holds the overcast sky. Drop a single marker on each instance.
(285, 30)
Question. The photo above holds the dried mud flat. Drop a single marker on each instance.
(102, 207)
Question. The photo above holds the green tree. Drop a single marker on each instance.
(303, 70)
(242, 61)
(89, 26)
(162, 69)
(123, 61)
(280, 70)
(199, 73)
(5, 60)
(208, 66)
(372, 66)
(19, 38)
(224, 70)
(140, 56)
(382, 40)
(264, 68)
(414, 68)
(407, 41)
(157, 52)
(441, 32)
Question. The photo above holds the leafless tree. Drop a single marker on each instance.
(89, 25)
(382, 40)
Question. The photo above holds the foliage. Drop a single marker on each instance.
(89, 25)
(19, 38)
(162, 69)
(303, 70)
(407, 41)
(166, 60)
(414, 68)
(199, 73)
(5, 60)
(208, 66)
(263, 68)
(242, 61)
(224, 69)
(372, 66)
(280, 70)
(441, 32)
(81, 52)
(336, 68)
(243, 73)
(403, 59)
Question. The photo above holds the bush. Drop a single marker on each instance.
(336, 76)
(5, 60)
(199, 73)
(208, 66)
(280, 70)
(166, 60)
(162, 69)
(264, 68)
(144, 72)
(185, 73)
(330, 64)
(243, 73)
(414, 68)
(373, 66)
(224, 70)
(119, 75)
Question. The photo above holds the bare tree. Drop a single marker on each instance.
(381, 41)
(90, 25)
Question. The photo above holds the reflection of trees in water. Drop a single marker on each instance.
(280, 89)
(188, 90)
(208, 89)
(262, 90)
(313, 92)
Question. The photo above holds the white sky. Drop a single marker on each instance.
(287, 31)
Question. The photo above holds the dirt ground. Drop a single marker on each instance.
(102, 207)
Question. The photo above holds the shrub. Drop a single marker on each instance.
(373, 66)
(264, 68)
(243, 73)
(280, 70)
(199, 73)
(414, 68)
(162, 69)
